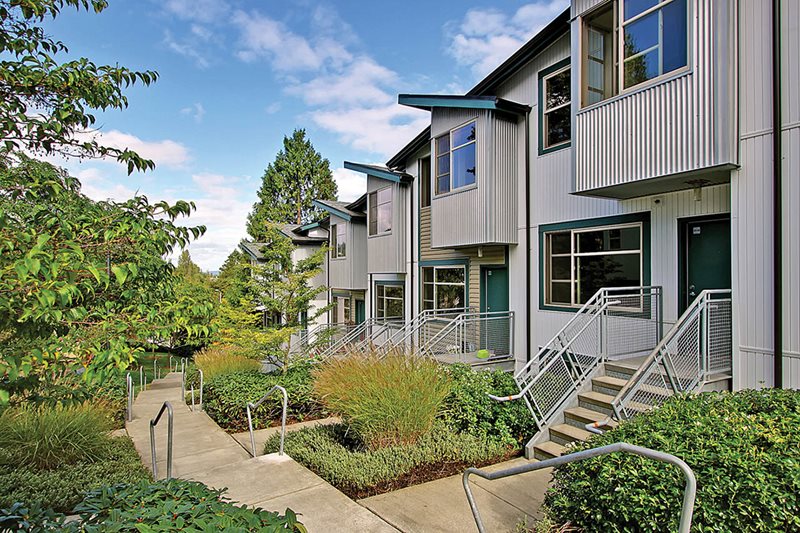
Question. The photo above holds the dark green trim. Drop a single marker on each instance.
(446, 262)
(430, 101)
(389, 282)
(309, 226)
(481, 278)
(332, 210)
(542, 75)
(643, 217)
(377, 172)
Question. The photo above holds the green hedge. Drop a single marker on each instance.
(744, 449)
(225, 397)
(63, 487)
(469, 409)
(337, 457)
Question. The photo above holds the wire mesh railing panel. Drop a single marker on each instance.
(470, 337)
(720, 342)
(550, 388)
(683, 359)
(649, 391)
(634, 323)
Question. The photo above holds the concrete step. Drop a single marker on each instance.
(621, 369)
(548, 450)
(608, 384)
(580, 416)
(596, 401)
(566, 433)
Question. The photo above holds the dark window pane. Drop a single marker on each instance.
(443, 184)
(558, 90)
(560, 243)
(562, 267)
(425, 182)
(608, 240)
(385, 218)
(464, 166)
(373, 213)
(427, 291)
(642, 68)
(450, 275)
(596, 272)
(634, 7)
(560, 293)
(463, 135)
(394, 308)
(342, 251)
(641, 35)
(675, 53)
(558, 126)
(427, 275)
(443, 165)
(449, 296)
(443, 144)
(394, 291)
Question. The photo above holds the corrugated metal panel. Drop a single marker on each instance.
(581, 6)
(791, 249)
(350, 272)
(387, 253)
(504, 187)
(681, 125)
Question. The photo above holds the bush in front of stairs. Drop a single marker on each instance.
(744, 448)
(64, 485)
(387, 401)
(166, 505)
(225, 397)
(468, 407)
(336, 454)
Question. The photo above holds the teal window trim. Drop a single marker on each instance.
(542, 75)
(444, 262)
(643, 218)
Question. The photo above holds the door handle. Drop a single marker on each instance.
(692, 292)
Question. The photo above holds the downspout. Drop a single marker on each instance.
(777, 193)
(411, 246)
(528, 305)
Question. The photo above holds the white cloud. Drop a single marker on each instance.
(197, 10)
(196, 111)
(97, 186)
(350, 184)
(166, 153)
(187, 49)
(360, 83)
(484, 38)
(272, 108)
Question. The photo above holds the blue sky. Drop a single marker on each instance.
(238, 75)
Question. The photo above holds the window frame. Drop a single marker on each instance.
(641, 219)
(334, 241)
(545, 74)
(434, 269)
(383, 285)
(374, 204)
(436, 155)
(425, 183)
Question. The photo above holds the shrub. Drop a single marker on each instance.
(174, 504)
(46, 436)
(218, 360)
(388, 401)
(340, 458)
(468, 407)
(64, 486)
(22, 517)
(225, 397)
(744, 449)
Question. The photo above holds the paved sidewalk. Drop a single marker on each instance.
(260, 436)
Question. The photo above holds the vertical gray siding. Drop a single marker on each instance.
(350, 272)
(681, 125)
(580, 7)
(387, 253)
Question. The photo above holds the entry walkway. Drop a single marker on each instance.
(202, 451)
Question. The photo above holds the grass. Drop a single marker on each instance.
(387, 402)
(219, 360)
(46, 436)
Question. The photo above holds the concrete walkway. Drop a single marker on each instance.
(260, 436)
(202, 451)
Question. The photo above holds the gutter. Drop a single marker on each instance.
(777, 193)
(528, 305)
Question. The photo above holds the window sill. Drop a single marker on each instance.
(466, 188)
(378, 235)
(644, 86)
(556, 148)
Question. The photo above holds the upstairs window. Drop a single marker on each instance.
(380, 211)
(629, 42)
(338, 241)
(555, 117)
(455, 159)
(425, 182)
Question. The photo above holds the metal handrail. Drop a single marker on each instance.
(129, 393)
(463, 318)
(142, 379)
(689, 490)
(200, 371)
(253, 406)
(636, 380)
(153, 422)
(348, 338)
(410, 328)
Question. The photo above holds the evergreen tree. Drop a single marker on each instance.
(298, 175)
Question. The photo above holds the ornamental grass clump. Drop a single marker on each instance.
(47, 436)
(387, 401)
(223, 359)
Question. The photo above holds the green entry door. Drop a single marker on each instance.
(706, 258)
(495, 331)
(361, 311)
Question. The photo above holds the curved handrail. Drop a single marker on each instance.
(153, 422)
(689, 490)
(253, 406)
(129, 393)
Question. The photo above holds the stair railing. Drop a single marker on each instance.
(469, 332)
(349, 338)
(129, 394)
(698, 344)
(153, 423)
(327, 336)
(689, 487)
(416, 332)
(384, 328)
(253, 406)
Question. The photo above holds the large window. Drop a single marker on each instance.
(338, 240)
(455, 159)
(425, 182)
(556, 109)
(388, 301)
(628, 42)
(579, 262)
(443, 287)
(342, 310)
(380, 211)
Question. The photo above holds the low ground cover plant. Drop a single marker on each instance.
(744, 448)
(387, 401)
(167, 505)
(226, 396)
